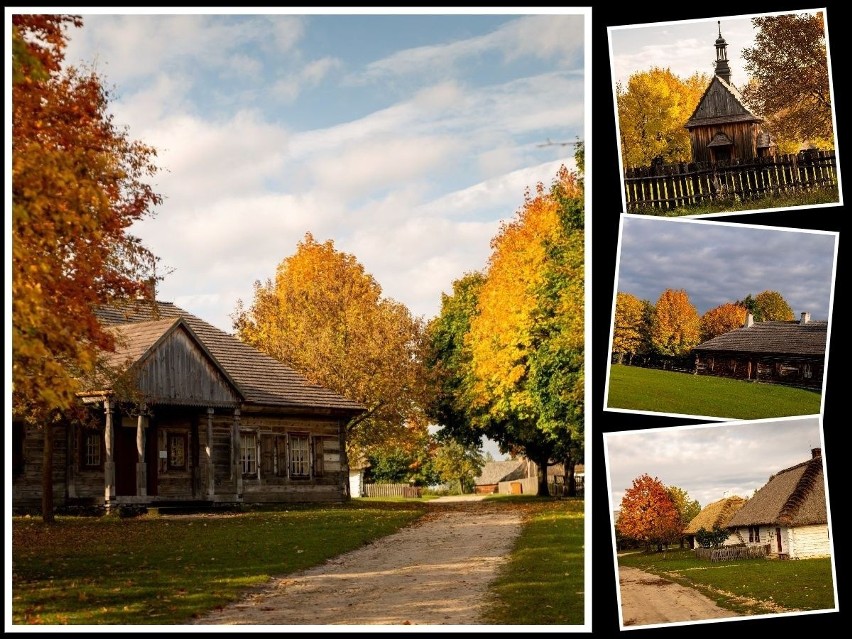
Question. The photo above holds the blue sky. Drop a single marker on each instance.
(405, 139)
(710, 461)
(715, 262)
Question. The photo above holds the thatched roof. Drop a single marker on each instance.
(494, 472)
(718, 514)
(793, 497)
(258, 378)
(785, 338)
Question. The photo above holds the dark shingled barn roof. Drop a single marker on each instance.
(794, 496)
(718, 514)
(259, 378)
(787, 338)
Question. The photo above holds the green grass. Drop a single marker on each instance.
(542, 582)
(805, 198)
(749, 586)
(636, 388)
(167, 569)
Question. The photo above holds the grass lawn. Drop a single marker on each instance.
(165, 570)
(542, 583)
(647, 389)
(765, 582)
(828, 195)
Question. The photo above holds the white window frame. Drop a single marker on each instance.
(248, 452)
(299, 455)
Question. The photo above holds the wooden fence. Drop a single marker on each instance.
(730, 553)
(670, 186)
(392, 490)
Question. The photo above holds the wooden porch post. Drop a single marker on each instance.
(141, 466)
(109, 464)
(208, 453)
(238, 467)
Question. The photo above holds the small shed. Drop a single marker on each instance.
(494, 472)
(715, 515)
(723, 128)
(788, 514)
(791, 352)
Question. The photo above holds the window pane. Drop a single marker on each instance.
(248, 453)
(299, 456)
(93, 449)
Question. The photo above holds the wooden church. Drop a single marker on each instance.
(723, 128)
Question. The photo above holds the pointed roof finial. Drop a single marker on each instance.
(719, 22)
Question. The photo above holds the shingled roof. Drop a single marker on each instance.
(794, 496)
(494, 472)
(258, 378)
(721, 103)
(717, 514)
(788, 338)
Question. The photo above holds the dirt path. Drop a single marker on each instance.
(648, 599)
(433, 572)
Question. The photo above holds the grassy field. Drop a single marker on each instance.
(750, 586)
(805, 198)
(543, 581)
(647, 389)
(168, 569)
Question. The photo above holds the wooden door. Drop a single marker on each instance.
(152, 458)
(126, 458)
(778, 537)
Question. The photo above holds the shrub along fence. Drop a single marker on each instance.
(729, 553)
(671, 186)
(392, 490)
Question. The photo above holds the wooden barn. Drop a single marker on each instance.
(788, 514)
(723, 128)
(718, 515)
(781, 352)
(495, 472)
(196, 416)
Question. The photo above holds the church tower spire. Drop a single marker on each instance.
(721, 64)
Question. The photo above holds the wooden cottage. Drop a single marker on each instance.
(723, 128)
(790, 352)
(715, 515)
(196, 416)
(789, 514)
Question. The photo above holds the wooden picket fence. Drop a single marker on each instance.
(671, 186)
(392, 490)
(730, 553)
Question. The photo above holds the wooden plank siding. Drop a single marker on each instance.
(177, 371)
(671, 186)
(742, 134)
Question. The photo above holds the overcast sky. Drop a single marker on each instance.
(709, 461)
(716, 262)
(405, 139)
(685, 47)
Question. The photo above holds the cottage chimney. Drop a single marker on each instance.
(749, 320)
(816, 452)
(721, 64)
(806, 317)
(149, 290)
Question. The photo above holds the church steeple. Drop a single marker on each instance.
(721, 64)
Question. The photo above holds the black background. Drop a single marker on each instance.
(603, 222)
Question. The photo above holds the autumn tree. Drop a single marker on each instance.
(686, 507)
(78, 183)
(448, 361)
(652, 108)
(457, 464)
(721, 319)
(631, 326)
(789, 68)
(648, 513)
(326, 317)
(771, 306)
(526, 339)
(675, 324)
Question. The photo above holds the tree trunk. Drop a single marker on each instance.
(543, 489)
(47, 474)
(570, 464)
